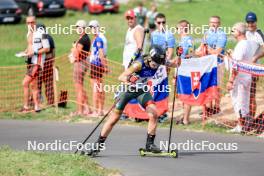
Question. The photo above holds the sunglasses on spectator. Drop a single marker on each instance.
(159, 22)
(130, 18)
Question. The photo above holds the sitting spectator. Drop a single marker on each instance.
(239, 83)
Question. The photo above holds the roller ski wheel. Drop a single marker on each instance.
(90, 153)
(172, 154)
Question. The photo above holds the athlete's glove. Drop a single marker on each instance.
(132, 79)
(137, 53)
(179, 51)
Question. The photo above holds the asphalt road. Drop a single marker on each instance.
(122, 149)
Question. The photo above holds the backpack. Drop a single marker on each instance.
(260, 33)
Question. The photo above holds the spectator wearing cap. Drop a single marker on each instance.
(141, 14)
(215, 40)
(254, 34)
(98, 67)
(239, 82)
(46, 75)
(133, 42)
(134, 38)
(80, 51)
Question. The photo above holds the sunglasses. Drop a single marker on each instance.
(30, 22)
(130, 18)
(161, 22)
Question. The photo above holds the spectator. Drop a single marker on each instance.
(134, 38)
(133, 42)
(98, 67)
(47, 74)
(186, 45)
(80, 52)
(151, 15)
(239, 83)
(36, 52)
(164, 39)
(215, 40)
(141, 13)
(256, 35)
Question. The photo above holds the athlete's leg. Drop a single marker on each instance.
(110, 123)
(124, 98)
(146, 100)
(153, 118)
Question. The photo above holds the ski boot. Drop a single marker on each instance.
(150, 146)
(97, 148)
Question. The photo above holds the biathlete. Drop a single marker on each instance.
(136, 77)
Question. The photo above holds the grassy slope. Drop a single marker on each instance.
(40, 163)
(12, 38)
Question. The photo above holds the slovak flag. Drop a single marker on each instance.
(197, 80)
(160, 93)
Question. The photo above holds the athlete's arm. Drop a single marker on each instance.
(124, 77)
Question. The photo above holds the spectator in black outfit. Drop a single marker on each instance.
(80, 53)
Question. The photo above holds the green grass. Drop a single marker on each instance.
(13, 39)
(56, 164)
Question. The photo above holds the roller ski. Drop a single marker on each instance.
(99, 145)
(92, 153)
(152, 150)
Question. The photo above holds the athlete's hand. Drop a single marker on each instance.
(132, 79)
